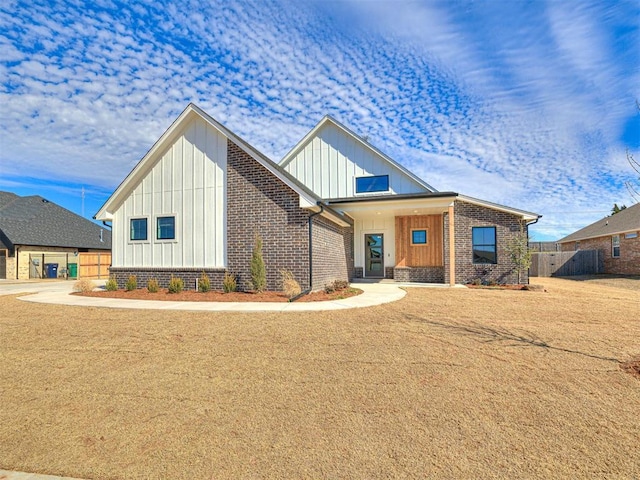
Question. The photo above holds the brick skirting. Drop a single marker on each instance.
(419, 274)
(163, 276)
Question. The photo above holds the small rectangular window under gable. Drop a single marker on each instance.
(376, 183)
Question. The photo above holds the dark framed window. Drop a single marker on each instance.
(419, 236)
(166, 228)
(484, 245)
(138, 229)
(615, 246)
(378, 183)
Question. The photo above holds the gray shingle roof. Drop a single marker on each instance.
(36, 221)
(627, 220)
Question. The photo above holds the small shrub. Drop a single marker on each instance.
(290, 286)
(258, 271)
(132, 283)
(111, 285)
(153, 286)
(204, 283)
(84, 285)
(336, 286)
(229, 283)
(340, 284)
(176, 285)
(476, 281)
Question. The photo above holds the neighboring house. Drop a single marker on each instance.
(335, 207)
(617, 238)
(33, 229)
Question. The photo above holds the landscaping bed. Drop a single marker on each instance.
(216, 296)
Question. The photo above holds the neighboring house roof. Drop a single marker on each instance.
(627, 220)
(307, 198)
(327, 119)
(35, 221)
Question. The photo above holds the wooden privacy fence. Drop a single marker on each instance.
(565, 264)
(94, 265)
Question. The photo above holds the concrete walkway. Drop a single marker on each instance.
(7, 475)
(58, 293)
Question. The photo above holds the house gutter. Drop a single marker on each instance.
(308, 290)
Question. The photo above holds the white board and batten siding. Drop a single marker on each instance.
(331, 160)
(187, 181)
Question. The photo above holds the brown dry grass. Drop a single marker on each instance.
(443, 384)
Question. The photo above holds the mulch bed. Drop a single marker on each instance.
(216, 296)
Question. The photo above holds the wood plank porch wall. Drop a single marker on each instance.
(429, 255)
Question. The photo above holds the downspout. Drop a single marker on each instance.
(529, 269)
(308, 290)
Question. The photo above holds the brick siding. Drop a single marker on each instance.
(259, 202)
(163, 276)
(332, 252)
(419, 274)
(467, 216)
(628, 263)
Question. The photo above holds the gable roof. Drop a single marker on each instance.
(36, 221)
(307, 198)
(329, 120)
(627, 220)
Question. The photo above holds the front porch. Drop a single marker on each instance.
(401, 239)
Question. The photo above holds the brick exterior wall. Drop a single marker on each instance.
(163, 276)
(332, 252)
(467, 216)
(259, 202)
(419, 274)
(628, 263)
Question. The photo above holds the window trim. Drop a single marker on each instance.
(631, 235)
(426, 237)
(138, 240)
(369, 192)
(495, 245)
(175, 228)
(615, 245)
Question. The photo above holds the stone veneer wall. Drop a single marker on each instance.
(467, 216)
(259, 202)
(332, 252)
(419, 274)
(628, 263)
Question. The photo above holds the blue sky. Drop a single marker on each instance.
(530, 104)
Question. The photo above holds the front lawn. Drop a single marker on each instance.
(445, 383)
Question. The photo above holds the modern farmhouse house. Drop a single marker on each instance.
(335, 207)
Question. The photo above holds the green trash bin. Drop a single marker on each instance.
(73, 270)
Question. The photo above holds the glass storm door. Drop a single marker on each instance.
(373, 255)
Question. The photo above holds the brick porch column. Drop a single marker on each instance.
(452, 248)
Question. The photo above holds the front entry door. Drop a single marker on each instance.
(374, 255)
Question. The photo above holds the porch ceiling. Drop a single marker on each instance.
(398, 207)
